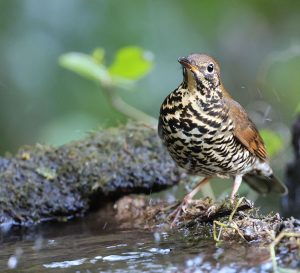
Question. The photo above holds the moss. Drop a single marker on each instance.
(42, 182)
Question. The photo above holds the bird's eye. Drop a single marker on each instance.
(210, 68)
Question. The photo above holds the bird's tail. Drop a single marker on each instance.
(265, 184)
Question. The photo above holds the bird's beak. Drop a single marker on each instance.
(186, 63)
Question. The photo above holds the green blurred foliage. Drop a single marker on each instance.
(274, 143)
(86, 66)
(280, 77)
(298, 109)
(130, 64)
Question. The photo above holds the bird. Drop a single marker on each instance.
(209, 134)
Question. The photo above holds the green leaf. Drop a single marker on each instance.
(298, 109)
(131, 63)
(86, 66)
(273, 141)
(98, 55)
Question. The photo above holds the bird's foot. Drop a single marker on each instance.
(211, 210)
(182, 208)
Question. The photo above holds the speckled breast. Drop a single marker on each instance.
(202, 141)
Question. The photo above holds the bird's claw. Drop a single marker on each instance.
(182, 208)
(211, 210)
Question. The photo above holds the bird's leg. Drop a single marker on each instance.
(236, 185)
(176, 213)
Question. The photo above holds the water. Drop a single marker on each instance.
(98, 244)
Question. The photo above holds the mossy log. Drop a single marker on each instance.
(44, 183)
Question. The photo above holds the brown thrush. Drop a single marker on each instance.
(209, 134)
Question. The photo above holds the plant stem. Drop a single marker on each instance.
(123, 107)
(119, 104)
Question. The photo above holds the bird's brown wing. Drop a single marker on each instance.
(245, 130)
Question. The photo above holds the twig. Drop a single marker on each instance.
(230, 224)
(235, 208)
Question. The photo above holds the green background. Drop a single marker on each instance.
(257, 44)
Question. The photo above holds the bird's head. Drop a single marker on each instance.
(200, 72)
